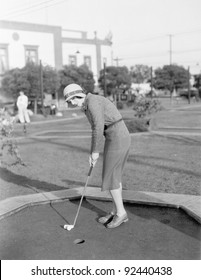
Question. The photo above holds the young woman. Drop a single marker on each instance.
(105, 120)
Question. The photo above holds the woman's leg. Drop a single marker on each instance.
(117, 208)
(114, 209)
(121, 215)
(118, 201)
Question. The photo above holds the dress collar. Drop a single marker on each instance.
(85, 103)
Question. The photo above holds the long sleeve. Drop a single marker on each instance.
(18, 101)
(95, 115)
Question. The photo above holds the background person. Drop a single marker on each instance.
(105, 120)
(22, 104)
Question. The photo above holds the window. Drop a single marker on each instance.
(31, 54)
(87, 61)
(3, 58)
(72, 60)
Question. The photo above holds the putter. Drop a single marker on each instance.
(69, 227)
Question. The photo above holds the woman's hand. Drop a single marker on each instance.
(93, 159)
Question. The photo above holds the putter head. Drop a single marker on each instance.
(68, 227)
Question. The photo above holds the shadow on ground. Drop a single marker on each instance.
(26, 182)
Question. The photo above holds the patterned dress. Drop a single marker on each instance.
(106, 120)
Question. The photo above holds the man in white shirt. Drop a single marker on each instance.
(22, 104)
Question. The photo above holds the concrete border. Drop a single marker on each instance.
(191, 204)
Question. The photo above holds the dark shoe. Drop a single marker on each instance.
(106, 219)
(117, 221)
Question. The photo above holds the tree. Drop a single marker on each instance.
(115, 78)
(140, 73)
(87, 79)
(27, 79)
(197, 83)
(51, 80)
(80, 75)
(170, 77)
(13, 81)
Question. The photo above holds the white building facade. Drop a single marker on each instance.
(22, 42)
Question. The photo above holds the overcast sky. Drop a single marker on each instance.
(141, 29)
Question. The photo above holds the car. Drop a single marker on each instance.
(193, 93)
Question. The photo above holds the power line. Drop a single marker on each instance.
(148, 39)
(28, 8)
(143, 40)
(159, 54)
(186, 51)
(33, 8)
(21, 9)
(117, 59)
(190, 61)
(145, 56)
(187, 32)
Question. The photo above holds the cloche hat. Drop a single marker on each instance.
(72, 90)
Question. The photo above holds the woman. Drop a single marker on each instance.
(105, 120)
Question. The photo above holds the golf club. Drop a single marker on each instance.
(69, 227)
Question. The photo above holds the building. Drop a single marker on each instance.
(21, 42)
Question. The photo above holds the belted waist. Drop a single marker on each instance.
(111, 124)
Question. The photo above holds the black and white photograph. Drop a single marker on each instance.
(100, 143)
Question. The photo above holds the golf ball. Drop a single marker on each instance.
(68, 227)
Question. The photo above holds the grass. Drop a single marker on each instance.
(157, 163)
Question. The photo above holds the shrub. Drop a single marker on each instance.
(8, 143)
(120, 105)
(146, 106)
(137, 125)
(130, 103)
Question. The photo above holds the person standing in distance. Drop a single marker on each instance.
(22, 104)
(106, 120)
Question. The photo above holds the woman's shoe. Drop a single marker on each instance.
(117, 221)
(106, 219)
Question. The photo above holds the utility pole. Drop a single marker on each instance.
(112, 57)
(104, 73)
(117, 61)
(41, 85)
(170, 47)
(189, 92)
(151, 81)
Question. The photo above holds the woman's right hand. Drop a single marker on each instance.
(93, 159)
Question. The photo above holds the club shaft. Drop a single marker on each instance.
(83, 193)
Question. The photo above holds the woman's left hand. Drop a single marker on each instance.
(93, 159)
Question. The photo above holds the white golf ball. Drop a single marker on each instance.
(68, 227)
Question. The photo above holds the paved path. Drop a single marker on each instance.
(189, 203)
(151, 233)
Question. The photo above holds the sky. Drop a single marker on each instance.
(150, 32)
